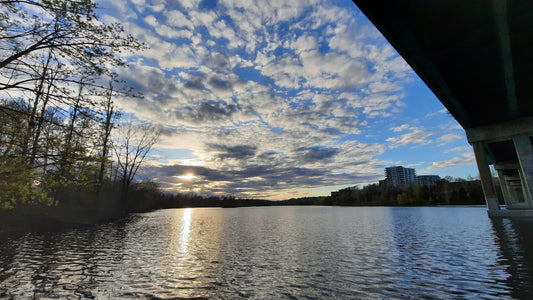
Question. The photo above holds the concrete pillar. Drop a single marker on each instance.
(525, 191)
(524, 151)
(517, 192)
(506, 191)
(486, 177)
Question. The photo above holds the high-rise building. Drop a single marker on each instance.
(399, 175)
(428, 179)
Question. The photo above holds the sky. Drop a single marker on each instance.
(278, 99)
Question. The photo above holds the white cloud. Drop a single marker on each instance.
(432, 114)
(139, 3)
(304, 43)
(450, 137)
(177, 19)
(151, 20)
(190, 4)
(415, 136)
(378, 105)
(459, 149)
(401, 128)
(465, 159)
(343, 40)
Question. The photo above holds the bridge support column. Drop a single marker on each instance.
(528, 193)
(486, 177)
(509, 147)
(524, 151)
(511, 179)
(508, 196)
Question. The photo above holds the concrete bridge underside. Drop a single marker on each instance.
(477, 57)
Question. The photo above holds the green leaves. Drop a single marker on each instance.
(56, 56)
(20, 185)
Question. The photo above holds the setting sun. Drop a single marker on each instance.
(188, 176)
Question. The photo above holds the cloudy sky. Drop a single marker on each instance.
(278, 99)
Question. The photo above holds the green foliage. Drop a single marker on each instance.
(20, 186)
(55, 139)
(404, 199)
(450, 193)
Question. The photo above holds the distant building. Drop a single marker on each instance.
(399, 175)
(428, 179)
(383, 183)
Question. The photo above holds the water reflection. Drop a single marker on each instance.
(185, 233)
(447, 252)
(277, 252)
(57, 264)
(515, 240)
(168, 254)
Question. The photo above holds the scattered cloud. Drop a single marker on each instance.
(269, 97)
(459, 149)
(465, 159)
(416, 135)
(450, 137)
(401, 128)
(435, 113)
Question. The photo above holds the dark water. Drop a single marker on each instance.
(277, 253)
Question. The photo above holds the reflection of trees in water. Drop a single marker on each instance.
(515, 239)
(8, 249)
(56, 263)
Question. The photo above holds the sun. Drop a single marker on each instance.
(187, 176)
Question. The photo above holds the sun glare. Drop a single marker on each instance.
(188, 176)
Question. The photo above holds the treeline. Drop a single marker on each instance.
(59, 143)
(146, 196)
(460, 192)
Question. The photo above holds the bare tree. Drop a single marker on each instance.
(131, 147)
(56, 110)
(109, 115)
(69, 27)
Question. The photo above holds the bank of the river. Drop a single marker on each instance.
(52, 218)
(75, 210)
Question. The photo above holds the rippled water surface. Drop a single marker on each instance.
(277, 253)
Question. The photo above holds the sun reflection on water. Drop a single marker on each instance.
(185, 234)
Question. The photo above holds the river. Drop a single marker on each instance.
(297, 252)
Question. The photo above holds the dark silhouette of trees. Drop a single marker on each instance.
(57, 113)
(131, 148)
(443, 193)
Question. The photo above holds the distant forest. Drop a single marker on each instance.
(459, 192)
(147, 196)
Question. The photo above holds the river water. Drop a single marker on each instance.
(276, 253)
